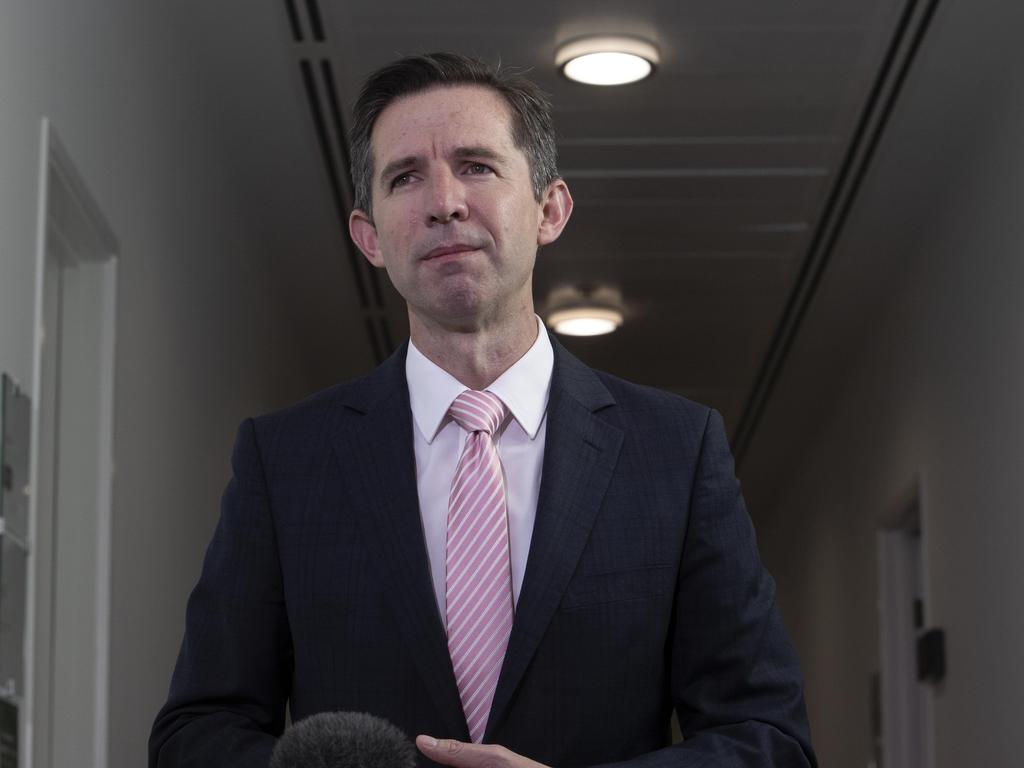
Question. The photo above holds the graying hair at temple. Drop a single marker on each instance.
(532, 126)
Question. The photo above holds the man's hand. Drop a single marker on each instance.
(462, 755)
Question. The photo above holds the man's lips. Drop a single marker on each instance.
(449, 250)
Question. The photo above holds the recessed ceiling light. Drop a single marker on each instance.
(585, 321)
(607, 60)
(574, 312)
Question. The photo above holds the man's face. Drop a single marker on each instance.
(455, 221)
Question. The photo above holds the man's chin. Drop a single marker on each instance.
(466, 312)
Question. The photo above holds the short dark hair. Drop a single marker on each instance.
(533, 130)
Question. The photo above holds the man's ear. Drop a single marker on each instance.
(556, 207)
(364, 235)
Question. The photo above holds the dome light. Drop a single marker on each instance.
(574, 311)
(585, 321)
(607, 60)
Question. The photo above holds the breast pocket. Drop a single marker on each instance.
(588, 589)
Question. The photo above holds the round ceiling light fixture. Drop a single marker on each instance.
(585, 321)
(607, 60)
(572, 313)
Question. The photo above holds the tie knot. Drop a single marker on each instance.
(478, 411)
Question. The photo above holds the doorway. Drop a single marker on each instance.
(905, 716)
(70, 514)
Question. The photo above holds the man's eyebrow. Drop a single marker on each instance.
(478, 152)
(481, 152)
(395, 166)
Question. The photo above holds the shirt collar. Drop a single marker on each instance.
(524, 387)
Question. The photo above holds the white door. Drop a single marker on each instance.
(905, 701)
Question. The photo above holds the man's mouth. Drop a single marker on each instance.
(450, 250)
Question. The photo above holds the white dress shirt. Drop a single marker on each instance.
(438, 442)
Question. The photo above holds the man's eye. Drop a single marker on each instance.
(478, 168)
(400, 180)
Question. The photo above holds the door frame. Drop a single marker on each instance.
(76, 247)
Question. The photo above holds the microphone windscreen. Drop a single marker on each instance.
(343, 740)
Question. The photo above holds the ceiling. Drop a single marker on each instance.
(701, 194)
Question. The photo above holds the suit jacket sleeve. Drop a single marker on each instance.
(227, 697)
(735, 680)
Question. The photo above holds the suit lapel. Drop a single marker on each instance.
(379, 447)
(581, 450)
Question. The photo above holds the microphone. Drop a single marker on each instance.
(343, 740)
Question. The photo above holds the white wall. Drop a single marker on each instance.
(202, 336)
(909, 366)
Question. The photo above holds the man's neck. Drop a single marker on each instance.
(477, 357)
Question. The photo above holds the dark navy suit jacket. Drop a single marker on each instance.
(643, 591)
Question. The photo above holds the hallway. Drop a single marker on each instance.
(878, 396)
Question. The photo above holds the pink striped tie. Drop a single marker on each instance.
(478, 584)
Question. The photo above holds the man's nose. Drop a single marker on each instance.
(447, 200)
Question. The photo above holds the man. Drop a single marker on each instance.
(516, 557)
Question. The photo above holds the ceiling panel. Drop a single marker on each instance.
(698, 192)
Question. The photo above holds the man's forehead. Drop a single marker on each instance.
(464, 112)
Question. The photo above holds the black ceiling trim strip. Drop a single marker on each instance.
(327, 152)
(370, 274)
(338, 122)
(315, 20)
(317, 113)
(338, 163)
(293, 20)
(900, 55)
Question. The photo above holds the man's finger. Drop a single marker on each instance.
(426, 742)
(446, 751)
(458, 753)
